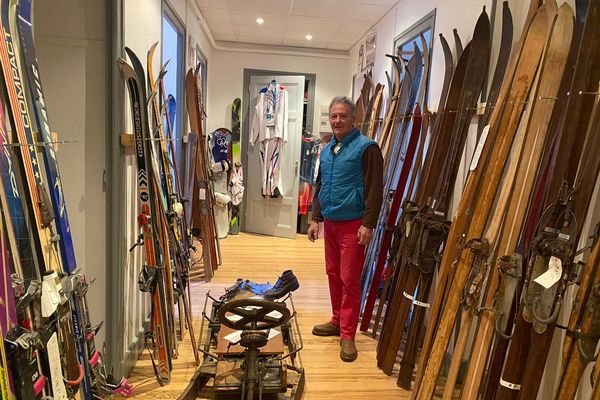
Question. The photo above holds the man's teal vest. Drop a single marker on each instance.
(342, 192)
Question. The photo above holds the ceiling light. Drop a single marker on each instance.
(308, 37)
(260, 21)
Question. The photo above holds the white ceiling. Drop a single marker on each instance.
(333, 24)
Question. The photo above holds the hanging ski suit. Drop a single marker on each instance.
(269, 127)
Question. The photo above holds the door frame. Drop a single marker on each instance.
(245, 128)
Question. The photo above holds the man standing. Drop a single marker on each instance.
(347, 199)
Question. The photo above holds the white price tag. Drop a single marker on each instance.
(274, 314)
(202, 194)
(553, 275)
(53, 352)
(236, 336)
(479, 148)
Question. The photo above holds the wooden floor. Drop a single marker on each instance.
(262, 259)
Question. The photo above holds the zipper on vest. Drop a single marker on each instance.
(331, 176)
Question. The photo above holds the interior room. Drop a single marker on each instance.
(300, 199)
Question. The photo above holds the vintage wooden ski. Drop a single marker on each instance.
(204, 190)
(528, 325)
(483, 180)
(476, 69)
(501, 65)
(503, 239)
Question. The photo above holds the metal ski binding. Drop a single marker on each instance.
(147, 278)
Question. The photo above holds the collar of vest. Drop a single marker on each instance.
(350, 137)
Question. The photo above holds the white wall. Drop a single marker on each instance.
(226, 74)
(73, 70)
(185, 11)
(461, 14)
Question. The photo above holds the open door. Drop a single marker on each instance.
(267, 215)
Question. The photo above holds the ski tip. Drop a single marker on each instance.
(121, 61)
(153, 48)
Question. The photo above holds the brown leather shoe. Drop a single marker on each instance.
(348, 351)
(327, 329)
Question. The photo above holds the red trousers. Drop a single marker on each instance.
(344, 259)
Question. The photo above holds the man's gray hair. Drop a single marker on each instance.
(344, 100)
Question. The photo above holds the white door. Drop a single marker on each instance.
(267, 215)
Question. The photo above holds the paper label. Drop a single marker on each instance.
(512, 386)
(421, 304)
(235, 337)
(250, 308)
(234, 317)
(50, 297)
(564, 236)
(479, 148)
(202, 194)
(553, 275)
(274, 314)
(58, 385)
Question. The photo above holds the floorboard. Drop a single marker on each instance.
(262, 259)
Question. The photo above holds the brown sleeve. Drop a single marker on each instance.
(316, 207)
(372, 160)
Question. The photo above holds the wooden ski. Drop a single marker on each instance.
(530, 327)
(503, 239)
(202, 181)
(584, 326)
(477, 200)
(418, 239)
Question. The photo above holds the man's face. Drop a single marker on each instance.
(341, 120)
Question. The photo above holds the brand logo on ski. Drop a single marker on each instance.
(143, 183)
(139, 144)
(17, 79)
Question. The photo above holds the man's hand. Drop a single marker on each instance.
(364, 235)
(313, 231)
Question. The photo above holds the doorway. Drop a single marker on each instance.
(275, 215)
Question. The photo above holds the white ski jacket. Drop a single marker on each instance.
(271, 116)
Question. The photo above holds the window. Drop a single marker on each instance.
(173, 52)
(406, 42)
(411, 37)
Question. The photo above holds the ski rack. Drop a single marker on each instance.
(210, 327)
